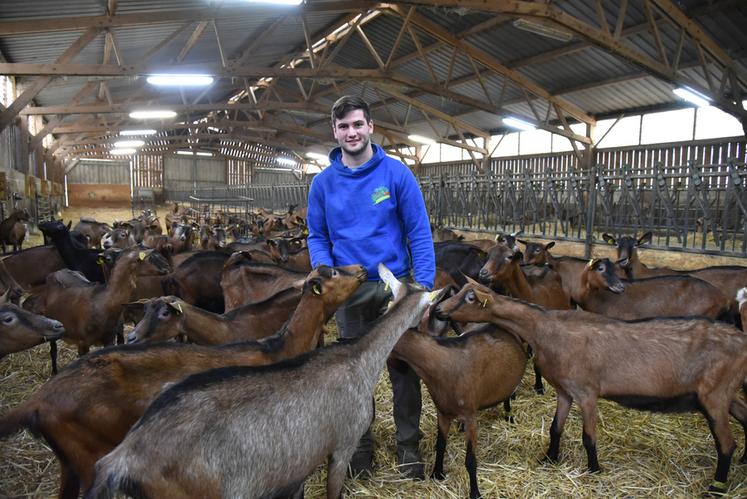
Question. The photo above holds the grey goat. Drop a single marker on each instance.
(244, 432)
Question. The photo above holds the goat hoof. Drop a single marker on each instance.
(714, 491)
(510, 420)
(438, 475)
(549, 460)
(595, 470)
(539, 390)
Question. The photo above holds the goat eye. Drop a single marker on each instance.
(334, 273)
(600, 268)
(165, 313)
(470, 297)
(9, 319)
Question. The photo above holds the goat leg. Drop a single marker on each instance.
(738, 410)
(564, 402)
(337, 466)
(444, 423)
(53, 355)
(470, 460)
(590, 416)
(507, 410)
(719, 426)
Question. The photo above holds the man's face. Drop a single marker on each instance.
(353, 132)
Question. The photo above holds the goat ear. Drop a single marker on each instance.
(549, 245)
(298, 284)
(522, 241)
(645, 238)
(176, 306)
(392, 282)
(608, 239)
(69, 224)
(483, 297)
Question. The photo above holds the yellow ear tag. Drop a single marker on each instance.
(179, 308)
(316, 289)
(432, 295)
(590, 262)
(386, 286)
(142, 255)
(100, 261)
(484, 302)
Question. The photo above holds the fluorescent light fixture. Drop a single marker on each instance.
(129, 143)
(203, 153)
(136, 133)
(180, 80)
(543, 29)
(420, 139)
(286, 161)
(517, 123)
(317, 156)
(692, 96)
(122, 152)
(185, 153)
(151, 115)
(277, 2)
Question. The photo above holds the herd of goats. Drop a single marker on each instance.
(247, 401)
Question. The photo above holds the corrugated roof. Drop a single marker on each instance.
(592, 79)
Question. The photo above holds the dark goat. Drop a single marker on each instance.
(87, 409)
(459, 259)
(277, 423)
(664, 365)
(198, 281)
(75, 257)
(21, 329)
(13, 229)
(665, 296)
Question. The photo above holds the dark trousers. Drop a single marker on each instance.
(354, 319)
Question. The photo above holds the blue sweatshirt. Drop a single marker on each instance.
(367, 215)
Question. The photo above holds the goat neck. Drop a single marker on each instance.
(477, 303)
(122, 283)
(516, 282)
(372, 350)
(204, 327)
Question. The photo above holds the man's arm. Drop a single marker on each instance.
(320, 247)
(418, 229)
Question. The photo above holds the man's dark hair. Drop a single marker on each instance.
(348, 103)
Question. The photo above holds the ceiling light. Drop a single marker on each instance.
(519, 124)
(692, 96)
(122, 152)
(179, 80)
(277, 2)
(543, 29)
(150, 115)
(202, 153)
(185, 153)
(129, 143)
(131, 133)
(316, 155)
(286, 161)
(420, 139)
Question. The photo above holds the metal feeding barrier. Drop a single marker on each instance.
(690, 207)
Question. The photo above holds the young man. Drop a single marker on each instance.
(367, 208)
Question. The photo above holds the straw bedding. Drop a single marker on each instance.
(641, 454)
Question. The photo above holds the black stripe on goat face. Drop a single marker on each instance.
(606, 269)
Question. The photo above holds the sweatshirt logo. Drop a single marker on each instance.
(380, 194)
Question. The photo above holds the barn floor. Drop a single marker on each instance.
(641, 454)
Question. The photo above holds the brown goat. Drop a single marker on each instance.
(91, 313)
(663, 365)
(742, 300)
(569, 267)
(665, 296)
(728, 278)
(21, 329)
(86, 410)
(168, 317)
(244, 281)
(13, 230)
(544, 288)
(30, 267)
(465, 374)
(92, 230)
